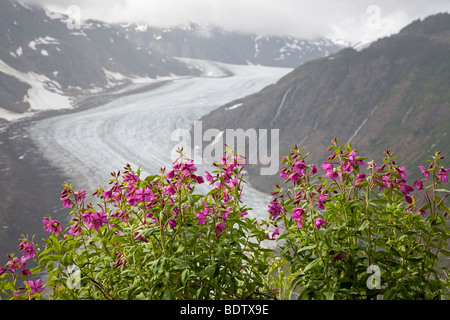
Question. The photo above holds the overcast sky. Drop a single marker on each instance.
(350, 20)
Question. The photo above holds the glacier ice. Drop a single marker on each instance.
(136, 129)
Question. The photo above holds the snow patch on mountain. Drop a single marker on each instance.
(44, 93)
(235, 106)
(39, 41)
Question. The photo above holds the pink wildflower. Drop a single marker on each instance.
(199, 179)
(297, 216)
(424, 171)
(282, 173)
(275, 209)
(201, 216)
(226, 214)
(320, 202)
(169, 190)
(52, 225)
(274, 233)
(172, 224)
(170, 174)
(418, 184)
(243, 214)
(299, 166)
(16, 263)
(36, 286)
(442, 174)
(327, 166)
(139, 237)
(188, 167)
(98, 219)
(318, 222)
(402, 172)
(75, 229)
(131, 178)
(220, 227)
(144, 195)
(296, 175)
(28, 249)
(209, 176)
(67, 203)
(360, 177)
(80, 195)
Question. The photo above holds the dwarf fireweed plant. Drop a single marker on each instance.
(154, 238)
(355, 230)
(344, 229)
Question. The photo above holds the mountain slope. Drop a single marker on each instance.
(38, 49)
(394, 94)
(211, 43)
(45, 61)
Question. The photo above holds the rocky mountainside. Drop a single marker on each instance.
(394, 94)
(206, 42)
(44, 58)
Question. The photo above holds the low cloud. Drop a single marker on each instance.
(344, 19)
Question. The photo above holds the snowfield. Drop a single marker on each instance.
(44, 93)
(137, 129)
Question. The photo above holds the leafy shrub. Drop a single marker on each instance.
(351, 234)
(341, 234)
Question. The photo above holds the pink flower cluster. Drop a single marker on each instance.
(394, 180)
(17, 267)
(344, 169)
(226, 182)
(129, 195)
(349, 162)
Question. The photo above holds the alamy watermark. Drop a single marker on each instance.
(252, 144)
(73, 17)
(73, 277)
(373, 21)
(374, 281)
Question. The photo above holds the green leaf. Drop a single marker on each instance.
(200, 293)
(212, 271)
(180, 262)
(364, 225)
(68, 259)
(415, 259)
(151, 178)
(312, 246)
(289, 236)
(426, 207)
(329, 294)
(159, 264)
(378, 201)
(312, 264)
(56, 244)
(221, 254)
(8, 286)
(196, 197)
(168, 294)
(390, 294)
(51, 257)
(185, 276)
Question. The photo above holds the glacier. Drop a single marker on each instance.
(136, 129)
